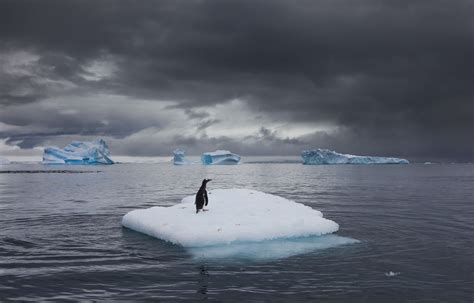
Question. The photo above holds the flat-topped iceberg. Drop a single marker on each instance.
(93, 152)
(234, 216)
(4, 161)
(179, 157)
(326, 156)
(223, 157)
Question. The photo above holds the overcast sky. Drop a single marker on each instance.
(372, 77)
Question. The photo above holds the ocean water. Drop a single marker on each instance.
(61, 237)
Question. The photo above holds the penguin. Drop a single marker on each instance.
(201, 196)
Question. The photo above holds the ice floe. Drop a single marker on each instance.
(391, 274)
(179, 157)
(326, 156)
(94, 152)
(234, 216)
(223, 157)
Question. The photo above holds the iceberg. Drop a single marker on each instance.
(93, 152)
(179, 157)
(4, 161)
(235, 216)
(223, 157)
(326, 156)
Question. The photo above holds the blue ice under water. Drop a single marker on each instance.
(268, 250)
(78, 152)
(223, 157)
(326, 156)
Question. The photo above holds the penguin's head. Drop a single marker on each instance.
(204, 182)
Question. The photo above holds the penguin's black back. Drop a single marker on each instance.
(201, 197)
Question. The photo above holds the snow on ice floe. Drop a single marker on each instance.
(4, 161)
(220, 157)
(234, 216)
(93, 152)
(326, 156)
(179, 157)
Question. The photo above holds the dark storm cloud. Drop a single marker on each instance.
(393, 76)
(194, 114)
(203, 124)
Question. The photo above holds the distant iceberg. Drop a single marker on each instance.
(223, 157)
(179, 157)
(234, 216)
(93, 152)
(325, 156)
(4, 161)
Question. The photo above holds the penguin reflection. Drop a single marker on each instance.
(203, 276)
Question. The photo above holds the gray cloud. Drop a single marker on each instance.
(203, 124)
(388, 77)
(193, 114)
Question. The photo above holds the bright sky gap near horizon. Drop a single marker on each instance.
(386, 78)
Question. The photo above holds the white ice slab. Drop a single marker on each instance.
(234, 216)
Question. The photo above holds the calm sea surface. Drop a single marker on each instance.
(61, 237)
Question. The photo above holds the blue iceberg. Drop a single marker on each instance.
(179, 157)
(325, 156)
(94, 152)
(223, 157)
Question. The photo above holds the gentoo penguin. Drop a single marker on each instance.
(201, 196)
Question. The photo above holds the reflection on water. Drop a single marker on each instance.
(203, 280)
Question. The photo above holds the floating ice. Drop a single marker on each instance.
(326, 156)
(391, 274)
(235, 216)
(268, 249)
(179, 157)
(94, 152)
(220, 157)
(4, 161)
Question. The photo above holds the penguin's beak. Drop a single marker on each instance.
(209, 180)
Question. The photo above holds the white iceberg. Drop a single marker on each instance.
(179, 157)
(326, 156)
(4, 161)
(94, 152)
(223, 157)
(235, 216)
